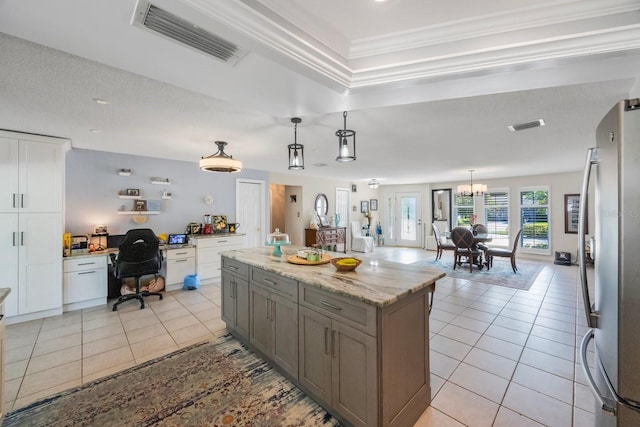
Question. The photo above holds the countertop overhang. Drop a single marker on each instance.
(376, 282)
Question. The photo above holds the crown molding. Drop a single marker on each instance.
(547, 31)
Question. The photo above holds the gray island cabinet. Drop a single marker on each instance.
(357, 342)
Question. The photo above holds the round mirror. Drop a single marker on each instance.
(322, 204)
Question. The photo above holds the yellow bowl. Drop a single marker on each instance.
(345, 267)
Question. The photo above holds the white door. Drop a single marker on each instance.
(250, 211)
(9, 191)
(9, 244)
(342, 206)
(408, 219)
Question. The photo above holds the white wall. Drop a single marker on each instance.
(92, 186)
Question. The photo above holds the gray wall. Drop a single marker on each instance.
(93, 183)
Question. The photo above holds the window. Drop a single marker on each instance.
(534, 219)
(462, 210)
(496, 214)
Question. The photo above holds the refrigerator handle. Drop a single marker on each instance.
(592, 316)
(605, 403)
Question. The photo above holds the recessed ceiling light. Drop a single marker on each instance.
(100, 101)
(528, 125)
(319, 165)
(95, 130)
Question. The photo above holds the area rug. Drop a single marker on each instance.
(219, 383)
(500, 274)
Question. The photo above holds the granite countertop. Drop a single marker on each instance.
(376, 282)
(4, 293)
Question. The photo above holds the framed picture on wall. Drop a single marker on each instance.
(373, 204)
(140, 205)
(364, 206)
(572, 214)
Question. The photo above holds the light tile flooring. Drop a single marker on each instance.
(499, 357)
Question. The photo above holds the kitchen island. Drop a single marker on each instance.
(356, 342)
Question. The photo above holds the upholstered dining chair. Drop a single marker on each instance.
(441, 245)
(360, 243)
(505, 253)
(480, 229)
(139, 254)
(462, 238)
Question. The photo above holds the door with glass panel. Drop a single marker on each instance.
(408, 219)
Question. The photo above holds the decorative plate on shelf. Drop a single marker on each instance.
(219, 223)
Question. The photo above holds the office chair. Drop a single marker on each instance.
(138, 255)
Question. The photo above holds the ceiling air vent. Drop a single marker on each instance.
(175, 28)
(528, 125)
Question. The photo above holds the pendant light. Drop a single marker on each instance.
(374, 183)
(472, 189)
(220, 161)
(346, 143)
(296, 151)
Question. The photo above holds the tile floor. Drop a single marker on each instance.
(499, 356)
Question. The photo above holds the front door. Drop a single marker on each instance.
(408, 219)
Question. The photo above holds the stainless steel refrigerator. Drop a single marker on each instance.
(613, 311)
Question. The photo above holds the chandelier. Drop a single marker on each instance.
(374, 183)
(346, 143)
(472, 189)
(220, 161)
(296, 151)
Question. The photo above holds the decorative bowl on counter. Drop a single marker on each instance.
(345, 263)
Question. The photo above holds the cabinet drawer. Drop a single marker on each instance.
(181, 253)
(226, 242)
(85, 263)
(283, 285)
(354, 313)
(85, 285)
(236, 267)
(177, 269)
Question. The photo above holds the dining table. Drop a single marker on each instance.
(477, 238)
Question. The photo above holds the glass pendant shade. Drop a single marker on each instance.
(220, 161)
(346, 143)
(296, 151)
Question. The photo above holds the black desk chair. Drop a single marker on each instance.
(139, 254)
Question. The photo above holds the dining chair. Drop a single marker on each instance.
(462, 238)
(440, 244)
(505, 253)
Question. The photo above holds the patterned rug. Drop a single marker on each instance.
(500, 274)
(219, 383)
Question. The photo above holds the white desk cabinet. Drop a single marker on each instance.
(85, 282)
(180, 262)
(208, 249)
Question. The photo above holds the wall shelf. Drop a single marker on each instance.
(160, 181)
(124, 196)
(138, 212)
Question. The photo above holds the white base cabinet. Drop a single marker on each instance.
(208, 249)
(85, 282)
(180, 262)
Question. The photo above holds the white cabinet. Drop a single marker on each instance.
(208, 249)
(30, 175)
(180, 262)
(31, 200)
(2, 326)
(85, 282)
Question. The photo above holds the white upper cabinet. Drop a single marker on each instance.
(30, 176)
